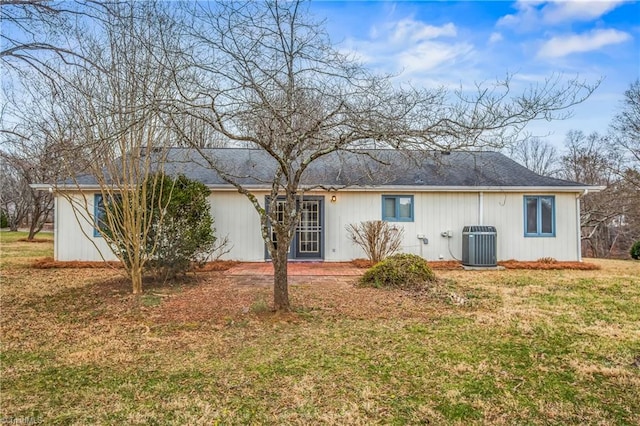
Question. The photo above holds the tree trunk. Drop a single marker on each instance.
(136, 280)
(34, 227)
(280, 281)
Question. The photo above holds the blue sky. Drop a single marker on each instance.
(433, 43)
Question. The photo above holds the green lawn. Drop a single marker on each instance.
(499, 347)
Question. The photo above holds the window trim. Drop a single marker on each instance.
(397, 218)
(539, 233)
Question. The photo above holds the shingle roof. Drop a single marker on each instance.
(390, 167)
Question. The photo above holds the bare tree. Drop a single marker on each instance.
(13, 201)
(29, 205)
(267, 76)
(606, 216)
(31, 145)
(38, 35)
(537, 155)
(626, 134)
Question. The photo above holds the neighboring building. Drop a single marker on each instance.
(432, 196)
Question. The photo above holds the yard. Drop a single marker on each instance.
(499, 347)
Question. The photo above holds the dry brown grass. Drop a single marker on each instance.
(480, 347)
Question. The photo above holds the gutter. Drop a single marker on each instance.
(381, 188)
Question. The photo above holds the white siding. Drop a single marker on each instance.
(235, 217)
(434, 213)
(70, 241)
(506, 212)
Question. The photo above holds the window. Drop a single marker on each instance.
(539, 216)
(99, 213)
(397, 208)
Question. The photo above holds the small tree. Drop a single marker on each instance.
(4, 219)
(378, 239)
(186, 233)
(635, 251)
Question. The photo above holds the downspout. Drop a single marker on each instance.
(579, 230)
(481, 208)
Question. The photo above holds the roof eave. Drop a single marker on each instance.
(399, 188)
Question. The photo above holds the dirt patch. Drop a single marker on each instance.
(35, 240)
(217, 298)
(224, 299)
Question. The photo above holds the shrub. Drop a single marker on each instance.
(404, 271)
(378, 239)
(635, 250)
(181, 227)
(4, 219)
(183, 232)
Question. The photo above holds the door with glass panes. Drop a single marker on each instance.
(308, 240)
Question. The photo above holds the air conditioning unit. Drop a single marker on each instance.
(479, 247)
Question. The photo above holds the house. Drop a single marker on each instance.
(432, 196)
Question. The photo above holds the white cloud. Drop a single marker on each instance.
(427, 56)
(577, 10)
(495, 37)
(410, 46)
(524, 18)
(533, 13)
(415, 31)
(561, 46)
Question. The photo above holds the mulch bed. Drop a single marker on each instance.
(451, 265)
(49, 263)
(35, 240)
(223, 265)
(217, 265)
(548, 266)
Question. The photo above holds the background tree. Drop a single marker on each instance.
(626, 125)
(537, 155)
(4, 219)
(589, 159)
(32, 145)
(37, 35)
(267, 76)
(14, 203)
